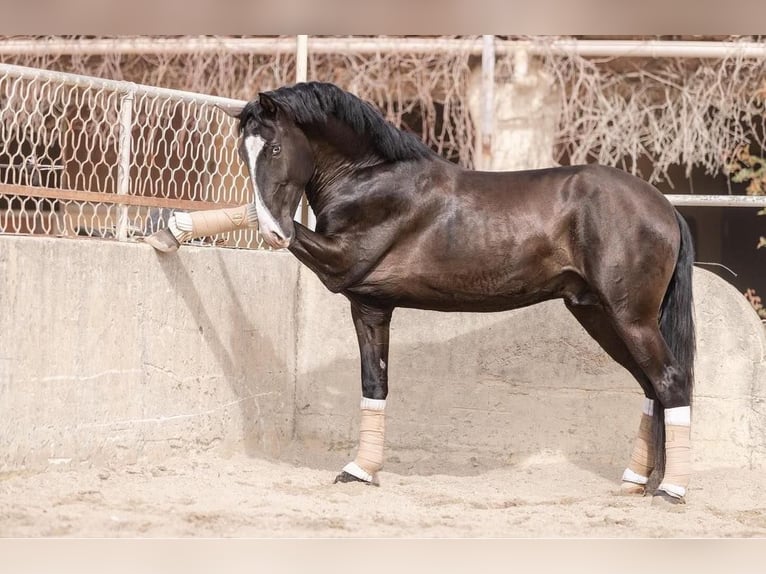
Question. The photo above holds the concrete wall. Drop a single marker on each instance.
(730, 398)
(110, 352)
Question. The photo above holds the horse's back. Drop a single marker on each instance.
(594, 206)
(538, 185)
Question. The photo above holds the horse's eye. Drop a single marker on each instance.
(276, 149)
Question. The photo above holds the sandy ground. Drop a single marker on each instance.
(209, 496)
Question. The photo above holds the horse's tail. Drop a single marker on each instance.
(677, 328)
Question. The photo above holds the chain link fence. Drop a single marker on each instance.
(82, 156)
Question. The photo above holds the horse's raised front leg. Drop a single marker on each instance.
(372, 326)
(183, 226)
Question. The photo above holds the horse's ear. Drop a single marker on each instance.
(233, 110)
(268, 104)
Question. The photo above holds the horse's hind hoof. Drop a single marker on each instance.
(344, 477)
(163, 240)
(662, 498)
(632, 489)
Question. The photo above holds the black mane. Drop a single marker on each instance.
(315, 102)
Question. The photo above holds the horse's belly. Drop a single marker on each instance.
(487, 304)
(478, 290)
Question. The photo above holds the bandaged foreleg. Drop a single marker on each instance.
(642, 458)
(372, 430)
(677, 452)
(188, 225)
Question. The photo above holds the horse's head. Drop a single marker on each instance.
(280, 162)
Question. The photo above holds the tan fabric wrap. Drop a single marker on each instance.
(642, 458)
(214, 221)
(372, 430)
(678, 465)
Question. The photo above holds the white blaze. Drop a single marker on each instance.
(270, 229)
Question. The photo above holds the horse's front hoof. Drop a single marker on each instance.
(662, 498)
(632, 489)
(344, 477)
(163, 240)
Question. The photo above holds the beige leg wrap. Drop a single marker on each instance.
(372, 431)
(678, 468)
(186, 226)
(642, 458)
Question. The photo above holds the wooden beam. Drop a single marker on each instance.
(103, 197)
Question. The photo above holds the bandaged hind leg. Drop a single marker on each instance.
(642, 458)
(677, 453)
(372, 430)
(183, 226)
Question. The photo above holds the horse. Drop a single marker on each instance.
(399, 226)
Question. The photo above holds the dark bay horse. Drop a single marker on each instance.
(398, 226)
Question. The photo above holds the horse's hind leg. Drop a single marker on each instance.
(597, 323)
(650, 351)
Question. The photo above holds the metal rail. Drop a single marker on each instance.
(718, 200)
(106, 197)
(369, 45)
(114, 85)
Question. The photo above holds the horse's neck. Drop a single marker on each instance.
(332, 172)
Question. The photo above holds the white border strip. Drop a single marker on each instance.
(680, 416)
(373, 404)
(355, 470)
(634, 477)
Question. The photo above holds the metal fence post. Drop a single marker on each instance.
(124, 157)
(304, 213)
(301, 58)
(488, 102)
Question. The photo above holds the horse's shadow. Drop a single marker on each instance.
(241, 355)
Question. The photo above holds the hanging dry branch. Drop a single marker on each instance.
(667, 111)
